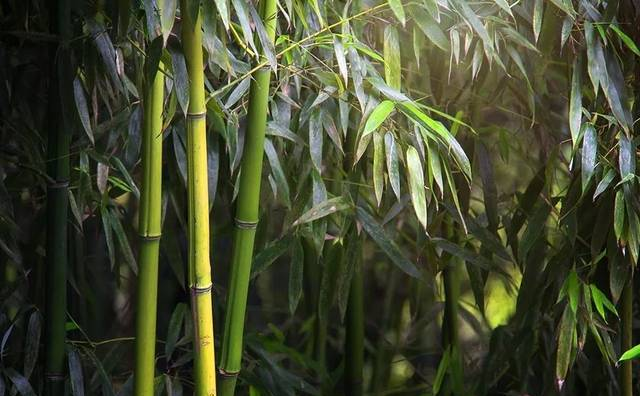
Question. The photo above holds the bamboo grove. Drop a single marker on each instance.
(323, 197)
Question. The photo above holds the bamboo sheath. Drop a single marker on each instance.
(197, 189)
(57, 205)
(246, 215)
(149, 230)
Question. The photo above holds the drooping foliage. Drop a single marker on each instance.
(446, 195)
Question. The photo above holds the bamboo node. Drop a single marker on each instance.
(54, 377)
(149, 238)
(246, 225)
(192, 116)
(195, 290)
(58, 184)
(228, 374)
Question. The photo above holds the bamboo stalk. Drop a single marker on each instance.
(354, 340)
(626, 372)
(354, 348)
(198, 197)
(57, 205)
(149, 230)
(246, 215)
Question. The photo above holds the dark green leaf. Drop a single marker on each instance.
(381, 238)
(173, 331)
(296, 272)
(82, 108)
(589, 154)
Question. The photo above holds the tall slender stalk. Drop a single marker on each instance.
(57, 203)
(149, 229)
(198, 196)
(246, 215)
(626, 373)
(354, 347)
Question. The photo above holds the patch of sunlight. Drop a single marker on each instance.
(401, 371)
(500, 302)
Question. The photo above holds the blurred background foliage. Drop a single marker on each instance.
(473, 162)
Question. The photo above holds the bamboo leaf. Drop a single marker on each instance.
(152, 14)
(243, 17)
(323, 209)
(269, 254)
(377, 117)
(223, 11)
(443, 367)
(296, 272)
(106, 50)
(504, 4)
(631, 354)
(32, 343)
(398, 10)
(619, 215)
(82, 108)
(424, 120)
(167, 18)
(268, 49)
(377, 233)
(416, 185)
(123, 241)
(392, 163)
(392, 60)
(21, 383)
(604, 183)
(341, 59)
(180, 77)
(430, 28)
(105, 215)
(472, 18)
(601, 301)
(75, 373)
(462, 253)
(626, 157)
(378, 166)
(628, 41)
(575, 103)
(589, 154)
(614, 87)
(277, 172)
(331, 129)
(315, 140)
(537, 18)
(566, 336)
(275, 129)
(127, 176)
(573, 291)
(173, 331)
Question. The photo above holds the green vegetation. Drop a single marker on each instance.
(394, 197)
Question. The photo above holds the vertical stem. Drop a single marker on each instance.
(626, 373)
(57, 205)
(354, 341)
(198, 196)
(354, 357)
(246, 215)
(149, 229)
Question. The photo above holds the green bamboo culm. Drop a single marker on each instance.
(58, 141)
(354, 344)
(198, 197)
(246, 214)
(149, 230)
(626, 371)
